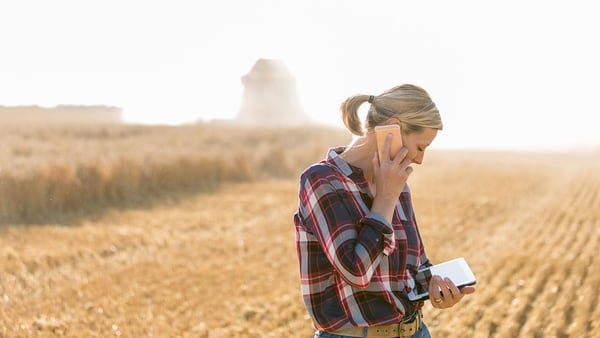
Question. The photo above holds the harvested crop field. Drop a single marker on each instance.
(222, 263)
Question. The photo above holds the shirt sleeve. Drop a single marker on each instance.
(353, 244)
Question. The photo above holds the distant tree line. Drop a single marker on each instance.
(60, 114)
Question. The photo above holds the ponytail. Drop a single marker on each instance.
(349, 109)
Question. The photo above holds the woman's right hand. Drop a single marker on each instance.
(391, 174)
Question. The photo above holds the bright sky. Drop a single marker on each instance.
(505, 74)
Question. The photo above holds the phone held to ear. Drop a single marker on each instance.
(381, 133)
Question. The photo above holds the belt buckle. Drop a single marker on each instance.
(407, 329)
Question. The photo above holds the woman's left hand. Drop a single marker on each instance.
(444, 294)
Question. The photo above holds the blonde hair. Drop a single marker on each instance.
(410, 104)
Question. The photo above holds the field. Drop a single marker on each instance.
(217, 259)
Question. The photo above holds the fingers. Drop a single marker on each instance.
(435, 295)
(391, 173)
(444, 294)
(396, 159)
(466, 290)
(385, 151)
(402, 163)
(375, 161)
(400, 158)
(454, 291)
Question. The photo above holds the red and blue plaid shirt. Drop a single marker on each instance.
(355, 268)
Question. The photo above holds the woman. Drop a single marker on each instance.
(357, 238)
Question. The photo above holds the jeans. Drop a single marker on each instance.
(422, 333)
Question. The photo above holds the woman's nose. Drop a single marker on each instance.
(418, 159)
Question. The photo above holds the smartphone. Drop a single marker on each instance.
(457, 270)
(381, 133)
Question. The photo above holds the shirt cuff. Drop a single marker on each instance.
(379, 223)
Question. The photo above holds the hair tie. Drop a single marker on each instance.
(371, 98)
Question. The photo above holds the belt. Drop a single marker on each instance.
(401, 330)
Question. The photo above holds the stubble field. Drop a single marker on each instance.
(221, 262)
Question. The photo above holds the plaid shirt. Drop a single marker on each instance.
(355, 268)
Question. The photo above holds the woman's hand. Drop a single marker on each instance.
(444, 294)
(392, 171)
(390, 176)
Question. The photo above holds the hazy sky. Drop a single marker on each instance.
(505, 74)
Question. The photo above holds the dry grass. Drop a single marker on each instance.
(223, 263)
(57, 173)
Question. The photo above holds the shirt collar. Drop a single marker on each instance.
(333, 156)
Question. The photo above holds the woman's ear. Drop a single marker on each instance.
(393, 120)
